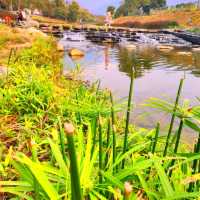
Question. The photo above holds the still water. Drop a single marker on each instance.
(157, 73)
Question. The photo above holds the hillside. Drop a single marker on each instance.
(162, 19)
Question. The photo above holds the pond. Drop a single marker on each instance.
(158, 72)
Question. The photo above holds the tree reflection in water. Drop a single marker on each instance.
(130, 58)
(145, 59)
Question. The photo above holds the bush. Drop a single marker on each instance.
(42, 53)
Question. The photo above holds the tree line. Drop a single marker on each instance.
(51, 8)
(134, 7)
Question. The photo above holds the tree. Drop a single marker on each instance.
(131, 7)
(50, 8)
(157, 3)
(73, 11)
(121, 11)
(111, 9)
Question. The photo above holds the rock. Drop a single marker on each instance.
(197, 49)
(28, 24)
(76, 53)
(184, 53)
(34, 31)
(165, 47)
(33, 23)
(60, 47)
(131, 47)
(3, 70)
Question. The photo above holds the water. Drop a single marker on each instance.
(157, 73)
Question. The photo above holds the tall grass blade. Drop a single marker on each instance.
(35, 159)
(108, 142)
(100, 150)
(128, 116)
(156, 138)
(40, 176)
(195, 162)
(173, 117)
(10, 55)
(113, 129)
(94, 131)
(62, 140)
(74, 172)
(177, 144)
(166, 186)
(78, 114)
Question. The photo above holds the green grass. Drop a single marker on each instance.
(39, 161)
(195, 30)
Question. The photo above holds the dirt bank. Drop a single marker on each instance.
(184, 18)
(16, 38)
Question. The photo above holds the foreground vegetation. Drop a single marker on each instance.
(63, 139)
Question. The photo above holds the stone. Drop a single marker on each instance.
(184, 53)
(34, 31)
(197, 49)
(3, 70)
(131, 47)
(167, 47)
(60, 47)
(76, 52)
(33, 23)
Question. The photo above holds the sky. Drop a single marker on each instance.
(99, 6)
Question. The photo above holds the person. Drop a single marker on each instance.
(81, 23)
(7, 20)
(108, 19)
(19, 16)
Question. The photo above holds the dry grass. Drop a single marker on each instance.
(14, 38)
(47, 20)
(184, 18)
(58, 22)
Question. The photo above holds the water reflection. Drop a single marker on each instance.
(144, 59)
(157, 73)
(129, 59)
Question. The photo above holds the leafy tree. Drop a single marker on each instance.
(121, 11)
(131, 7)
(60, 12)
(157, 3)
(51, 8)
(111, 9)
(73, 11)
